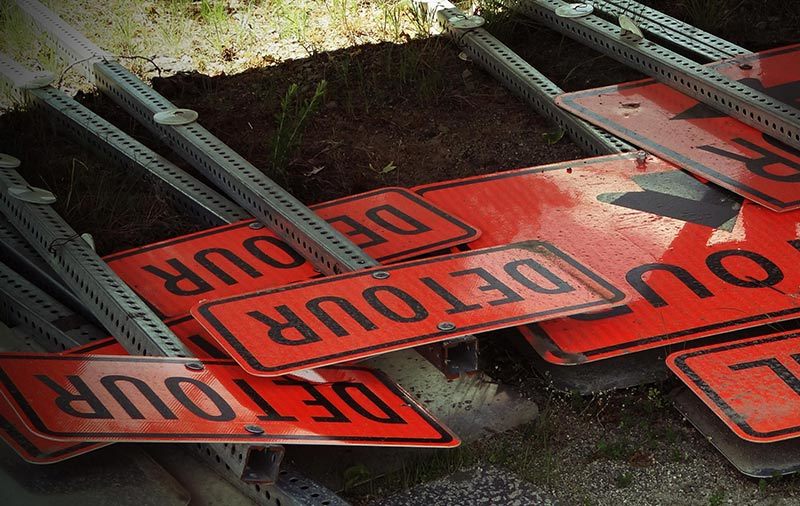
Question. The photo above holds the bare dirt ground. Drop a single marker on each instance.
(399, 108)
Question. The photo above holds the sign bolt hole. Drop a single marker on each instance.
(746, 66)
(380, 275)
(195, 366)
(254, 429)
(446, 326)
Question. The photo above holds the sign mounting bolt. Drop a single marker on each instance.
(380, 275)
(254, 429)
(256, 225)
(446, 326)
(195, 366)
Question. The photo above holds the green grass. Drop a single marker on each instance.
(292, 121)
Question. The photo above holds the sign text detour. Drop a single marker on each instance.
(110, 398)
(366, 313)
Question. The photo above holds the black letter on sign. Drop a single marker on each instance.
(270, 414)
(417, 226)
(390, 415)
(65, 399)
(359, 229)
(783, 373)
(493, 284)
(774, 275)
(635, 275)
(457, 305)
(759, 165)
(319, 400)
(110, 382)
(171, 281)
(276, 328)
(795, 243)
(208, 348)
(560, 286)
(202, 258)
(599, 315)
(226, 413)
(315, 306)
(420, 313)
(295, 259)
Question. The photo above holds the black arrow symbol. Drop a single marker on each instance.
(680, 196)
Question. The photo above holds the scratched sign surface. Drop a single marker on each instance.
(390, 224)
(357, 315)
(753, 385)
(346, 406)
(694, 260)
(702, 140)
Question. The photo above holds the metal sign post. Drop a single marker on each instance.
(198, 199)
(523, 80)
(736, 100)
(325, 247)
(700, 44)
(128, 319)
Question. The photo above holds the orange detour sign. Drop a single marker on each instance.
(694, 260)
(357, 315)
(390, 224)
(38, 450)
(753, 385)
(116, 398)
(702, 140)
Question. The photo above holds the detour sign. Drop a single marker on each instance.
(702, 140)
(694, 260)
(390, 224)
(118, 398)
(357, 315)
(753, 385)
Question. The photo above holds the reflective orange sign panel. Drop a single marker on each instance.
(116, 398)
(753, 385)
(694, 260)
(38, 450)
(390, 224)
(696, 137)
(367, 313)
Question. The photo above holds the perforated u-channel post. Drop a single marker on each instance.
(55, 326)
(326, 248)
(111, 301)
(120, 311)
(525, 81)
(746, 104)
(699, 44)
(189, 194)
(20, 256)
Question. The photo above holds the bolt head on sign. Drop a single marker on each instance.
(358, 315)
